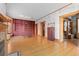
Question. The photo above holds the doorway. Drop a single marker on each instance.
(69, 26)
(43, 29)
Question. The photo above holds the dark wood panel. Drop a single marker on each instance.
(51, 33)
(36, 29)
(23, 28)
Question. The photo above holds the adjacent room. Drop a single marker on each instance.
(39, 29)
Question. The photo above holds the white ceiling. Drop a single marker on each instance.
(33, 10)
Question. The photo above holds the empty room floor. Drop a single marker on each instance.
(39, 46)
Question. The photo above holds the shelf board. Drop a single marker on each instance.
(4, 18)
(3, 27)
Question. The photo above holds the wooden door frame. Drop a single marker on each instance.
(61, 19)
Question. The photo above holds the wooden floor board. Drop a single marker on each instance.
(39, 46)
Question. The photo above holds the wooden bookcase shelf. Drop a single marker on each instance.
(3, 34)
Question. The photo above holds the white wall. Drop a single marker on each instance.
(2, 8)
(55, 18)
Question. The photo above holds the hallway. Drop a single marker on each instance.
(39, 46)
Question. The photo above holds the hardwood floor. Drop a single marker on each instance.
(39, 46)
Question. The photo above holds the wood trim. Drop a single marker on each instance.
(61, 28)
(70, 14)
(77, 34)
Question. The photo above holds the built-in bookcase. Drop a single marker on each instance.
(3, 34)
(23, 28)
